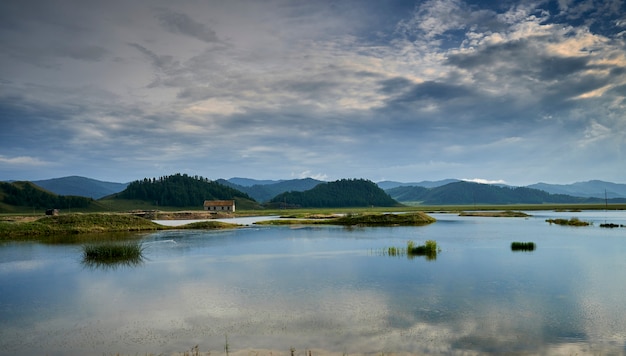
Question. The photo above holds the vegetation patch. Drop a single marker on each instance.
(570, 222)
(523, 246)
(496, 214)
(611, 225)
(108, 255)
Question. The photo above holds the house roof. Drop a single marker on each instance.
(219, 202)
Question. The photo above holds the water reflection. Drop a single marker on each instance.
(270, 289)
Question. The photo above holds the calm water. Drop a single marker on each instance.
(328, 289)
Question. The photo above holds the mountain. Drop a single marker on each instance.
(20, 196)
(181, 190)
(341, 193)
(248, 182)
(265, 192)
(468, 193)
(592, 188)
(81, 186)
(387, 184)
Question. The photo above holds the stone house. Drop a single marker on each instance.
(220, 205)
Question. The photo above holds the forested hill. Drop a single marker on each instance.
(180, 190)
(341, 193)
(468, 193)
(28, 195)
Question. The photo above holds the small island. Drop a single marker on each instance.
(406, 219)
(496, 214)
(570, 222)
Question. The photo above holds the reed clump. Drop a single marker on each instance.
(110, 254)
(523, 246)
(429, 249)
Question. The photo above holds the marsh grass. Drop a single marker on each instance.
(428, 250)
(113, 254)
(523, 246)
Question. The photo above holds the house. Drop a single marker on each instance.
(220, 205)
(52, 212)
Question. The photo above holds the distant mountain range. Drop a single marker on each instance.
(592, 188)
(387, 184)
(265, 190)
(468, 193)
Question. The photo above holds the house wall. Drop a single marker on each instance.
(219, 207)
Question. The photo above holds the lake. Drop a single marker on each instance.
(328, 290)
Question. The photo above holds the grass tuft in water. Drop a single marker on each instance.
(429, 250)
(112, 254)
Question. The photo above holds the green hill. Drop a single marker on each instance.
(26, 196)
(341, 193)
(182, 190)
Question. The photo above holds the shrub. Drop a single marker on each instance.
(523, 246)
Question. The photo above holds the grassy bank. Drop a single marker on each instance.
(70, 224)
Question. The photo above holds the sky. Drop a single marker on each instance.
(514, 92)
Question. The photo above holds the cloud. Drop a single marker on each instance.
(22, 161)
(309, 174)
(484, 181)
(353, 88)
(180, 23)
